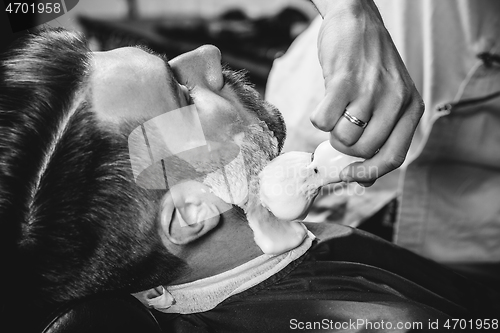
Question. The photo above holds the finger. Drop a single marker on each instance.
(378, 130)
(366, 184)
(392, 154)
(331, 107)
(348, 130)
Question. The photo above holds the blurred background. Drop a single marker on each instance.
(250, 34)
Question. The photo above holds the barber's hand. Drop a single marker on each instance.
(365, 76)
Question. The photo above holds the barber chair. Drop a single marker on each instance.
(117, 312)
(114, 313)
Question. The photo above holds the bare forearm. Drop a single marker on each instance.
(336, 7)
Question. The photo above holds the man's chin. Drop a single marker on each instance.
(234, 182)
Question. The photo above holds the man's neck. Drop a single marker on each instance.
(231, 244)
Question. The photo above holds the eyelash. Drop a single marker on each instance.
(189, 89)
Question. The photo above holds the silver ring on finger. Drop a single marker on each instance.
(354, 120)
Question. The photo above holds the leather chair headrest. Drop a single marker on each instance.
(102, 314)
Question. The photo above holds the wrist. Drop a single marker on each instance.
(335, 7)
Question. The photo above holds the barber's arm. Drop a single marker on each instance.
(365, 76)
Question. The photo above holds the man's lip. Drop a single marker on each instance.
(280, 138)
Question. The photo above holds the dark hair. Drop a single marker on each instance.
(73, 220)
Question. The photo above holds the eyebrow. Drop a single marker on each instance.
(172, 81)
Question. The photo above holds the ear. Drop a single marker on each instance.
(185, 216)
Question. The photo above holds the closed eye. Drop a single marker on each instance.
(186, 92)
(173, 82)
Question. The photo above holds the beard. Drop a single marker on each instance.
(260, 143)
(251, 100)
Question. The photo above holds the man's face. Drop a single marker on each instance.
(131, 83)
(134, 84)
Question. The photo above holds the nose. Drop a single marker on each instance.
(200, 67)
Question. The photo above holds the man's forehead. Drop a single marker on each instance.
(125, 54)
(130, 83)
(129, 62)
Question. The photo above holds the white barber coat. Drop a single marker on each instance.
(449, 186)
